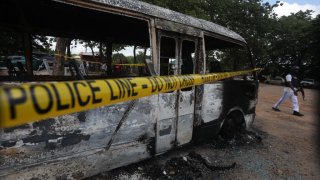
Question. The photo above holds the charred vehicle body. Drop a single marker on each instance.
(83, 144)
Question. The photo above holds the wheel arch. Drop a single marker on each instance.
(233, 120)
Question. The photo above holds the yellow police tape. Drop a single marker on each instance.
(30, 102)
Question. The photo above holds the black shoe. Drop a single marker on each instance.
(276, 109)
(296, 113)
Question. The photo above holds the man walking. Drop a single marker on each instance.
(291, 89)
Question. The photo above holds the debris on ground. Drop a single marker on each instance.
(188, 166)
(241, 137)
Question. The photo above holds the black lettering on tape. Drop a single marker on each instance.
(44, 102)
(183, 82)
(133, 85)
(36, 104)
(93, 91)
(169, 82)
(144, 86)
(124, 86)
(113, 97)
(60, 106)
(121, 90)
(81, 103)
(177, 80)
(172, 83)
(15, 101)
(72, 95)
(153, 85)
(159, 83)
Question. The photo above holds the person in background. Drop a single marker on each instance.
(291, 89)
(104, 68)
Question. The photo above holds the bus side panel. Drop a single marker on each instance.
(212, 102)
(210, 114)
(185, 116)
(166, 122)
(74, 136)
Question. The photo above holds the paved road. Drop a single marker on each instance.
(288, 148)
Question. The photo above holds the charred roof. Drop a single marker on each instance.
(167, 14)
(94, 20)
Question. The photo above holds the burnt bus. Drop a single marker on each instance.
(79, 145)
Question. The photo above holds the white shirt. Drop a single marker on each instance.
(288, 78)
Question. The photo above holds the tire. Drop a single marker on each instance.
(232, 124)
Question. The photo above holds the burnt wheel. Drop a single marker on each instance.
(232, 124)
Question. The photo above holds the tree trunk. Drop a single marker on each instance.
(70, 64)
(69, 48)
(91, 46)
(60, 52)
(28, 52)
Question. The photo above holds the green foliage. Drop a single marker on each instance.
(120, 58)
(293, 41)
(42, 43)
(141, 57)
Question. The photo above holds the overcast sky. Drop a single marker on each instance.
(293, 6)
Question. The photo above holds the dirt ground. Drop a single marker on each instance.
(279, 146)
